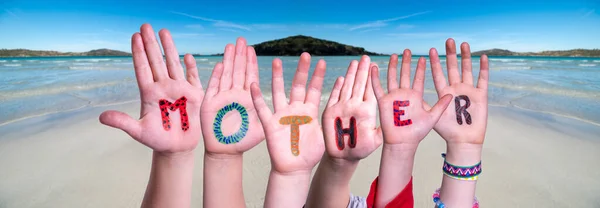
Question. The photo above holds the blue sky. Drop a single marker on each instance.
(380, 26)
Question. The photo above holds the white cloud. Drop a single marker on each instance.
(383, 23)
(229, 30)
(216, 23)
(190, 35)
(370, 30)
(10, 13)
(589, 13)
(230, 25)
(195, 26)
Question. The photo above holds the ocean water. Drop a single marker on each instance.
(32, 87)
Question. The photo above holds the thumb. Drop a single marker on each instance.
(122, 121)
(439, 108)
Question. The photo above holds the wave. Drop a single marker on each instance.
(511, 68)
(203, 59)
(549, 91)
(517, 64)
(2, 61)
(508, 60)
(596, 61)
(92, 60)
(82, 64)
(587, 65)
(12, 65)
(53, 90)
(81, 68)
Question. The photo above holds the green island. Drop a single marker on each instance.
(564, 53)
(296, 45)
(39, 53)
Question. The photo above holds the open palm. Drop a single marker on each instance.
(467, 123)
(164, 127)
(289, 154)
(229, 122)
(352, 98)
(404, 119)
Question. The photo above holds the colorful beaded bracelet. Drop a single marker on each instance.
(439, 204)
(461, 172)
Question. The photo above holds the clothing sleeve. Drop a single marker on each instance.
(403, 200)
(357, 202)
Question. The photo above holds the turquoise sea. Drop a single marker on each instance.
(37, 86)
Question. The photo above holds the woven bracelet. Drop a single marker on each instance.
(439, 204)
(468, 173)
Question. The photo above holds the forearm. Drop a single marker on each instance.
(287, 190)
(460, 193)
(395, 171)
(223, 181)
(331, 185)
(170, 183)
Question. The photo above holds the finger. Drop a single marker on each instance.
(153, 52)
(226, 78)
(277, 86)
(419, 81)
(349, 81)
(143, 72)
(263, 111)
(362, 74)
(376, 83)
(436, 111)
(369, 94)
(392, 68)
(173, 62)
(252, 68)
(467, 70)
(334, 97)
(439, 80)
(316, 84)
(298, 93)
(122, 121)
(215, 79)
(482, 82)
(405, 69)
(239, 64)
(452, 62)
(192, 71)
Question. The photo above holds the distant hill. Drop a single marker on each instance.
(568, 53)
(33, 53)
(295, 45)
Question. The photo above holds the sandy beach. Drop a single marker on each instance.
(71, 160)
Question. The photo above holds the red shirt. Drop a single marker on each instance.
(402, 200)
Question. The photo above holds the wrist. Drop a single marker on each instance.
(222, 156)
(338, 163)
(404, 148)
(173, 156)
(463, 154)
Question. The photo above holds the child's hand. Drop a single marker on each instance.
(404, 118)
(229, 121)
(349, 120)
(169, 119)
(465, 120)
(294, 136)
